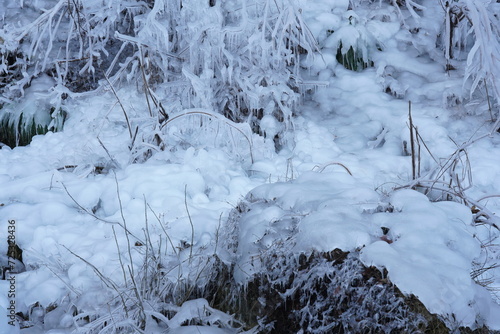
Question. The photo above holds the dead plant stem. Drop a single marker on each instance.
(412, 144)
(109, 283)
(191, 222)
(121, 106)
(120, 256)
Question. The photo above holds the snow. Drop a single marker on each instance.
(330, 186)
(428, 235)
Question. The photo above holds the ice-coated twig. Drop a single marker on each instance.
(204, 112)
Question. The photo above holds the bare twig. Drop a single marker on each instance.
(217, 234)
(216, 116)
(412, 144)
(108, 282)
(321, 168)
(145, 81)
(107, 152)
(142, 317)
(46, 16)
(121, 105)
(86, 210)
(417, 135)
(147, 235)
(191, 222)
(426, 147)
(488, 99)
(68, 285)
(134, 137)
(124, 223)
(130, 267)
(135, 40)
(164, 230)
(489, 196)
(444, 187)
(95, 216)
(120, 257)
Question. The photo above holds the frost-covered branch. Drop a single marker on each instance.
(483, 61)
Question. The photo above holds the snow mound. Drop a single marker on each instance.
(427, 248)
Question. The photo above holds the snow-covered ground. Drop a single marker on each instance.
(345, 172)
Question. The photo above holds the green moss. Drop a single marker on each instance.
(353, 59)
(7, 133)
(20, 131)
